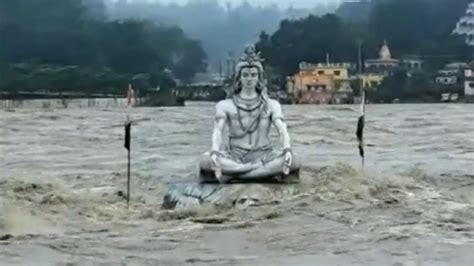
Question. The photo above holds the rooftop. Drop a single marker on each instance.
(309, 66)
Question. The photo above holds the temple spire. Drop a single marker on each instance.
(384, 53)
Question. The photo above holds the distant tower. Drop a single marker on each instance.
(385, 63)
(465, 26)
(384, 53)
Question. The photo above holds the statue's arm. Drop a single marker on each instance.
(279, 123)
(219, 124)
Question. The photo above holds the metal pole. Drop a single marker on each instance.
(361, 120)
(128, 179)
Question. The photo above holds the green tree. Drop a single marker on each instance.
(63, 45)
(420, 27)
(190, 61)
(308, 39)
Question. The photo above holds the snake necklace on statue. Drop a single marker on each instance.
(254, 107)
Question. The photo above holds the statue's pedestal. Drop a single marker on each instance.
(194, 194)
(209, 177)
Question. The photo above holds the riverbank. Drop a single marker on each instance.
(47, 100)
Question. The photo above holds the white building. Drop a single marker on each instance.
(469, 80)
(451, 74)
(446, 80)
(465, 26)
(384, 64)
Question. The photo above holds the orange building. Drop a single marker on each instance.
(310, 88)
(319, 83)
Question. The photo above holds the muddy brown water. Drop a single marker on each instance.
(413, 204)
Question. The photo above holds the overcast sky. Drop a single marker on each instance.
(281, 3)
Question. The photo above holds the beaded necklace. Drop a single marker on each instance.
(254, 124)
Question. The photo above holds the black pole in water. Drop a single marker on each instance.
(128, 126)
(360, 129)
(361, 120)
(127, 146)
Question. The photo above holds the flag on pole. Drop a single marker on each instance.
(127, 135)
(130, 95)
(128, 125)
(360, 128)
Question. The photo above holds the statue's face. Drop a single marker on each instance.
(249, 77)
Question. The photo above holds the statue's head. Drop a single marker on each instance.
(249, 72)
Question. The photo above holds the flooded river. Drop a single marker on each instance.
(63, 172)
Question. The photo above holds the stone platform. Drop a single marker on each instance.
(193, 194)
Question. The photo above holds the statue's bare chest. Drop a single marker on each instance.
(241, 120)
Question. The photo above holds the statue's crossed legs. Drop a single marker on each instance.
(247, 165)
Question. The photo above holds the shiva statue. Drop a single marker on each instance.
(248, 114)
